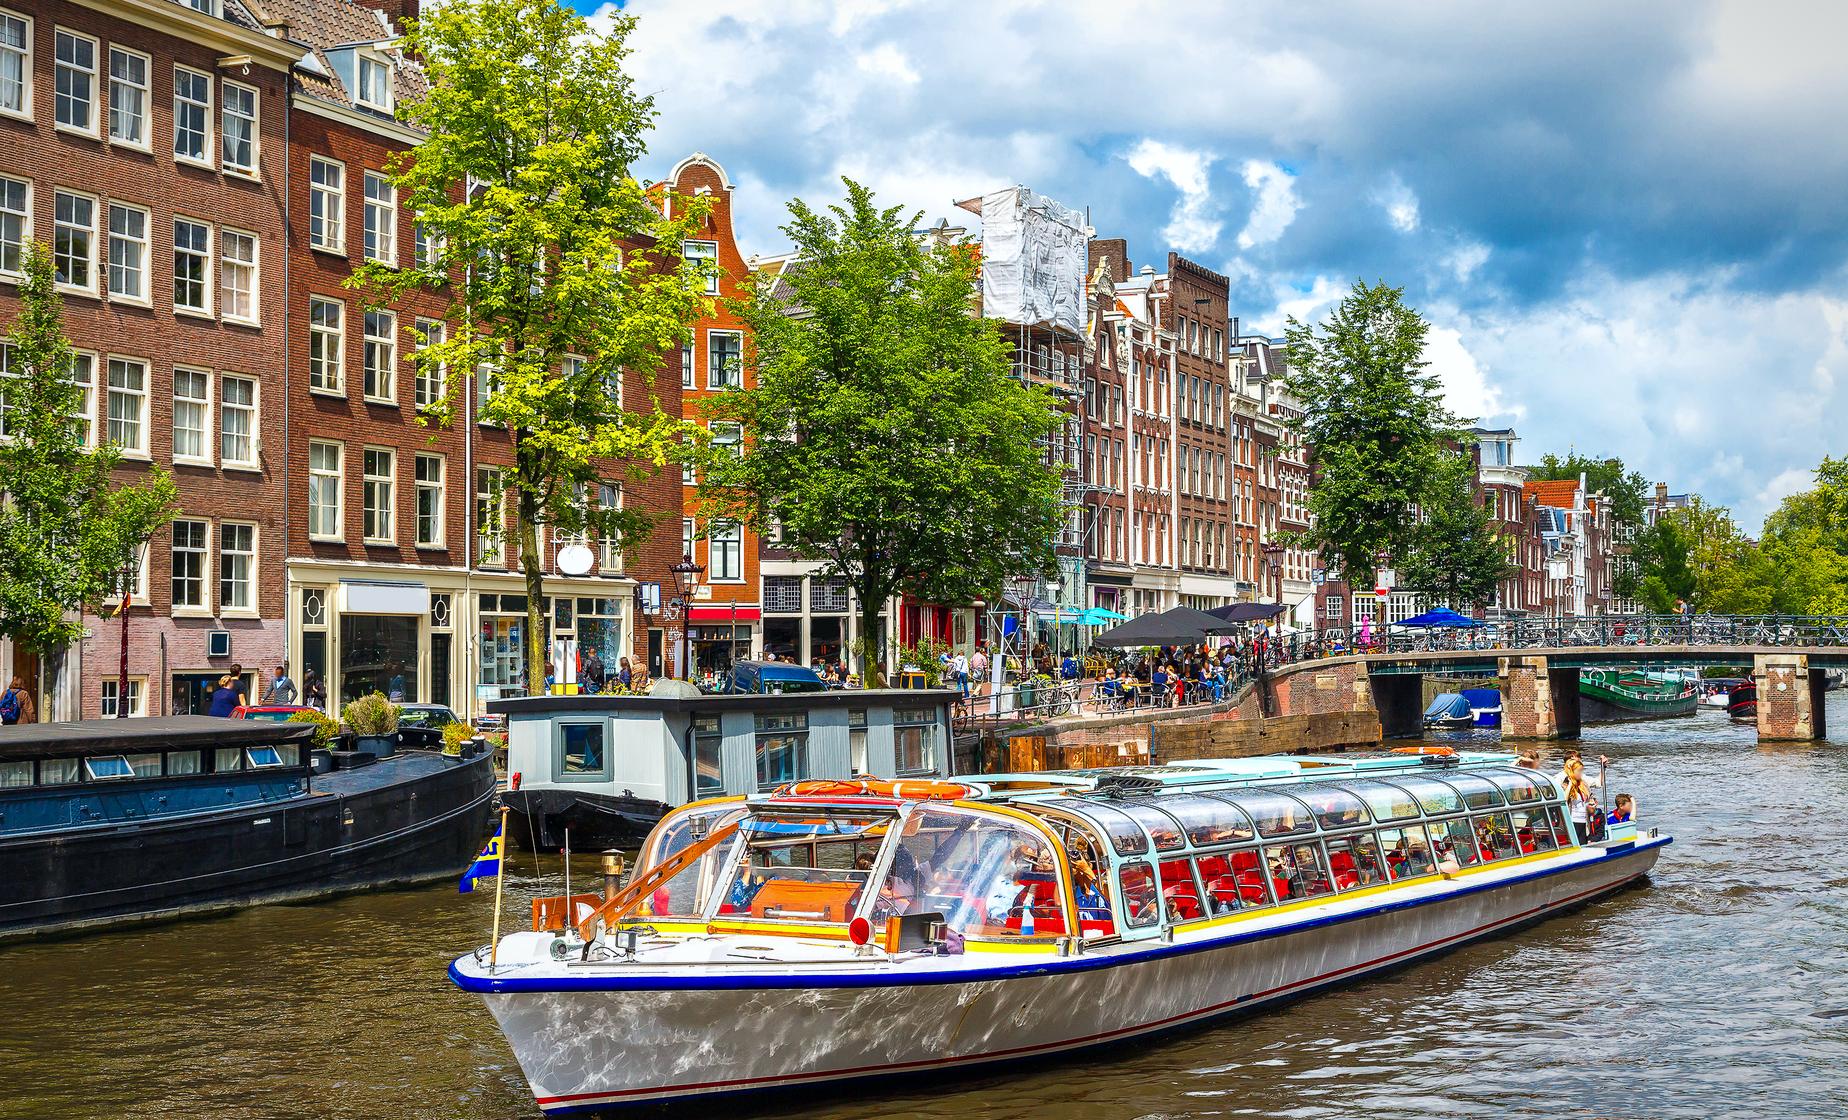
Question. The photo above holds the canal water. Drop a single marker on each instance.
(1720, 989)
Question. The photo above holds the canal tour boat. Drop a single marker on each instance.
(111, 820)
(833, 931)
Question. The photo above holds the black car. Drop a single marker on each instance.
(420, 726)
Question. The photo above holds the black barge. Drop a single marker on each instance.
(105, 821)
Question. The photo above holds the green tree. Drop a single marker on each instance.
(562, 272)
(67, 530)
(1626, 490)
(1376, 421)
(1457, 556)
(886, 435)
(1659, 565)
(1804, 546)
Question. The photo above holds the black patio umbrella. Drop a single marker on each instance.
(1173, 627)
(1247, 612)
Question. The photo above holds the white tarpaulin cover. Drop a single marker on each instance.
(1033, 260)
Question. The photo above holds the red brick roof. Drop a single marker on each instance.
(1558, 493)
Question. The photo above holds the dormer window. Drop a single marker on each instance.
(374, 86)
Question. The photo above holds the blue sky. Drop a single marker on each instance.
(1627, 224)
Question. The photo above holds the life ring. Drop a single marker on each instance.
(1442, 751)
(907, 790)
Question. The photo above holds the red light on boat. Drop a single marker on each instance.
(860, 930)
(514, 782)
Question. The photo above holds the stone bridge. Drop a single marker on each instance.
(1541, 696)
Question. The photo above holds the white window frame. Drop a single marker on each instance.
(6, 375)
(207, 276)
(96, 207)
(332, 382)
(250, 411)
(686, 366)
(490, 515)
(379, 235)
(378, 522)
(225, 605)
(204, 158)
(229, 268)
(609, 545)
(429, 384)
(426, 248)
(20, 218)
(204, 405)
(142, 89)
(717, 378)
(713, 534)
(204, 553)
(87, 410)
(254, 124)
(382, 345)
(107, 699)
(318, 476)
(687, 251)
(139, 449)
(424, 486)
(24, 52)
(140, 246)
(362, 96)
(92, 126)
(329, 193)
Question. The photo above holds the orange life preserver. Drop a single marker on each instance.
(1445, 751)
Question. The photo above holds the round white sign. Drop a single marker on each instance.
(575, 559)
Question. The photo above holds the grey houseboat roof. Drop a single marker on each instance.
(726, 702)
(161, 733)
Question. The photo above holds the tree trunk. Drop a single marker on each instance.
(872, 650)
(526, 524)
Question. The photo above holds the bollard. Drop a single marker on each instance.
(612, 874)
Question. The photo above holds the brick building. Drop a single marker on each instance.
(1204, 413)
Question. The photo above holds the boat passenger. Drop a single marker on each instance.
(1624, 810)
(1529, 759)
(1578, 786)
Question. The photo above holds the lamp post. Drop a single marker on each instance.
(686, 582)
(1052, 592)
(1383, 580)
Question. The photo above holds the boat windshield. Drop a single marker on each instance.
(808, 866)
(983, 872)
(685, 895)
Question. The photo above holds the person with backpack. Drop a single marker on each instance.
(16, 703)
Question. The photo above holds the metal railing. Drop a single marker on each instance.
(1640, 630)
(1021, 703)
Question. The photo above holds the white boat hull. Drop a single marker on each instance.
(664, 1037)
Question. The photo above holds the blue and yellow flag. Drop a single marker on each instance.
(487, 864)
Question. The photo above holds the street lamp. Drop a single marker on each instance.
(686, 582)
(1052, 593)
(1383, 580)
(1272, 551)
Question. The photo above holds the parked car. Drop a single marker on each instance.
(420, 726)
(773, 677)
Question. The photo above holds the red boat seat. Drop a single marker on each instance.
(1246, 860)
(1212, 867)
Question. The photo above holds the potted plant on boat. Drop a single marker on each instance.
(374, 721)
(326, 731)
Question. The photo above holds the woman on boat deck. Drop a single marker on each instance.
(1578, 789)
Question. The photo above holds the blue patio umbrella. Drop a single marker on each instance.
(1443, 618)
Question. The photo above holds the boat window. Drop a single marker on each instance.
(1276, 814)
(1520, 788)
(1209, 821)
(1387, 802)
(1408, 852)
(1246, 873)
(1355, 862)
(803, 868)
(1126, 837)
(1436, 797)
(1297, 871)
(982, 872)
(1180, 894)
(226, 759)
(261, 758)
(581, 754)
(685, 894)
(1560, 832)
(1219, 885)
(15, 774)
(1139, 895)
(183, 762)
(1163, 829)
(1531, 831)
(145, 765)
(1454, 840)
(1478, 792)
(108, 766)
(1333, 806)
(1495, 836)
(57, 771)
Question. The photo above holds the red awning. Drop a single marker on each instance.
(724, 614)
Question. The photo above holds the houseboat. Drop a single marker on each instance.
(1609, 695)
(609, 767)
(843, 930)
(104, 821)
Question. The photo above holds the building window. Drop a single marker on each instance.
(189, 547)
(381, 219)
(237, 565)
(15, 220)
(324, 491)
(239, 128)
(708, 764)
(429, 501)
(76, 81)
(783, 594)
(686, 366)
(192, 266)
(381, 355)
(782, 748)
(914, 740)
(128, 97)
(326, 331)
(686, 536)
(429, 387)
(192, 409)
(15, 64)
(128, 252)
(704, 256)
(326, 204)
(725, 552)
(426, 248)
(237, 274)
(83, 375)
(728, 436)
(379, 468)
(856, 740)
(192, 114)
(8, 372)
(609, 545)
(128, 404)
(490, 515)
(374, 84)
(137, 705)
(73, 240)
(828, 596)
(237, 421)
(724, 359)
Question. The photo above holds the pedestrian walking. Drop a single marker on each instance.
(592, 676)
(281, 689)
(314, 691)
(959, 671)
(224, 698)
(16, 703)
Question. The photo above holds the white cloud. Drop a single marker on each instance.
(1400, 204)
(1463, 261)
(1191, 227)
(1274, 207)
(1783, 485)
(1467, 391)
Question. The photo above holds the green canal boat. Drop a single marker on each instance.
(1606, 695)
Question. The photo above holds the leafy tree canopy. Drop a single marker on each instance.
(1628, 491)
